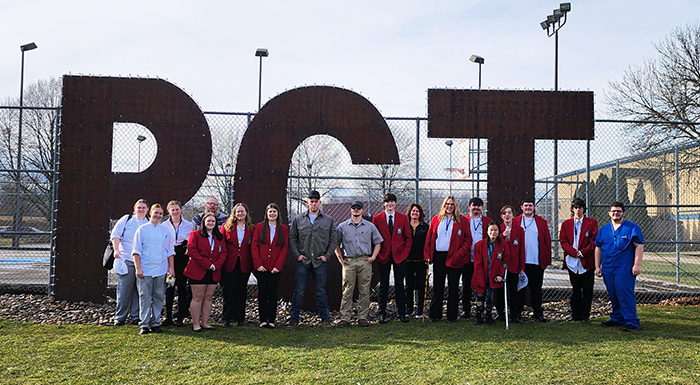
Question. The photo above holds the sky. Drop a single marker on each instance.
(390, 51)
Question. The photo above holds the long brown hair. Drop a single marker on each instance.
(203, 228)
(421, 216)
(231, 221)
(266, 226)
(457, 215)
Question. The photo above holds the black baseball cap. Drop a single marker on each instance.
(313, 194)
(356, 204)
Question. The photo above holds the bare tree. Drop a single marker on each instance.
(38, 145)
(385, 178)
(665, 88)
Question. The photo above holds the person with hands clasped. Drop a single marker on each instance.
(154, 253)
(270, 247)
(577, 238)
(359, 243)
(619, 248)
(207, 249)
(490, 262)
(514, 236)
(447, 247)
(238, 233)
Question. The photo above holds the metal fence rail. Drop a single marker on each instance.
(660, 189)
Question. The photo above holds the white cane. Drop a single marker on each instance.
(505, 291)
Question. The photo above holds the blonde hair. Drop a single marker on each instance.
(457, 215)
(231, 221)
(139, 202)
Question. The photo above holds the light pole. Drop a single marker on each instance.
(479, 60)
(17, 220)
(140, 139)
(261, 53)
(552, 25)
(449, 170)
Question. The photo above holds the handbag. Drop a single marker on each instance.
(108, 256)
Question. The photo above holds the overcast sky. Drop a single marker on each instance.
(389, 51)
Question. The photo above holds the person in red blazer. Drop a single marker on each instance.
(207, 250)
(514, 236)
(396, 232)
(577, 238)
(270, 247)
(447, 247)
(491, 256)
(477, 224)
(538, 254)
(238, 232)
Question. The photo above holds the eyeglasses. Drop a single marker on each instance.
(355, 208)
(212, 204)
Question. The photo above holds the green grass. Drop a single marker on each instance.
(666, 271)
(665, 350)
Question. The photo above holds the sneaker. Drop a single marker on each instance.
(156, 329)
(292, 325)
(327, 325)
(135, 321)
(630, 328)
(119, 323)
(609, 324)
(419, 315)
(362, 322)
(343, 324)
(144, 331)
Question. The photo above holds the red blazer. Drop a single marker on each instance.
(460, 243)
(484, 224)
(268, 254)
(586, 240)
(236, 253)
(201, 256)
(516, 249)
(398, 243)
(499, 256)
(545, 239)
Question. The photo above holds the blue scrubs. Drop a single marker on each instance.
(617, 259)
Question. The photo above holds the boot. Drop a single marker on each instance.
(478, 320)
(489, 317)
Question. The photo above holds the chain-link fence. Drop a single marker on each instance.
(659, 189)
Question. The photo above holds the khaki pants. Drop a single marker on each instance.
(357, 268)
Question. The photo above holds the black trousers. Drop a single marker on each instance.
(582, 294)
(184, 296)
(268, 285)
(467, 274)
(440, 272)
(535, 276)
(235, 290)
(415, 281)
(399, 276)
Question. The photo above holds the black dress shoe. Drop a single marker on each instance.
(541, 318)
(179, 323)
(516, 320)
(226, 324)
(240, 323)
(382, 319)
(156, 329)
(167, 322)
(451, 321)
(585, 320)
(405, 319)
(144, 331)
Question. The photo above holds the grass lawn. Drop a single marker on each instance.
(665, 350)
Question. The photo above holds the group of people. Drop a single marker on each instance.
(472, 248)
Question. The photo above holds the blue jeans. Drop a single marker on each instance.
(300, 279)
(127, 297)
(151, 299)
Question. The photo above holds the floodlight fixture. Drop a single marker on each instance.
(544, 24)
(565, 7)
(28, 47)
(262, 52)
(476, 59)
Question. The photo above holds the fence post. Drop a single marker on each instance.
(588, 175)
(678, 217)
(417, 158)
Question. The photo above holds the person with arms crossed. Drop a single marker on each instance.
(394, 228)
(538, 254)
(577, 239)
(312, 241)
(619, 248)
(359, 243)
